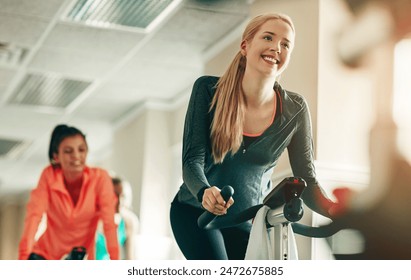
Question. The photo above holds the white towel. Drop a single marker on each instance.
(292, 245)
(260, 246)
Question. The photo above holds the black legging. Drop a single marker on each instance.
(200, 244)
(34, 256)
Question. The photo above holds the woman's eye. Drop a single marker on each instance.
(267, 38)
(287, 46)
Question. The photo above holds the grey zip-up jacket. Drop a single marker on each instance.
(248, 171)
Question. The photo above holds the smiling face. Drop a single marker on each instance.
(268, 52)
(72, 154)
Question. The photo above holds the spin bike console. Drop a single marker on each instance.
(288, 193)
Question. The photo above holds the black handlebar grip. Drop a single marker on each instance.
(77, 253)
(205, 218)
(227, 192)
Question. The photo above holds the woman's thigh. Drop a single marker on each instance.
(236, 240)
(196, 243)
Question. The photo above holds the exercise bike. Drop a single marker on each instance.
(77, 253)
(285, 210)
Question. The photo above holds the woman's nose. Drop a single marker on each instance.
(76, 154)
(275, 47)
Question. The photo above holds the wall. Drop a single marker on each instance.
(12, 211)
(128, 154)
(344, 97)
(146, 141)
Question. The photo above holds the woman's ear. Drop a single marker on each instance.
(55, 158)
(243, 48)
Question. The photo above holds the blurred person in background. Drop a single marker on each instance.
(381, 211)
(74, 197)
(127, 224)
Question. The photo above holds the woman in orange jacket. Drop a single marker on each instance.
(74, 197)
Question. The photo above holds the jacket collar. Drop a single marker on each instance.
(58, 178)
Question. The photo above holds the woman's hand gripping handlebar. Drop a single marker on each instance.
(286, 196)
(207, 217)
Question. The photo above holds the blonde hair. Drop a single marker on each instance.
(229, 100)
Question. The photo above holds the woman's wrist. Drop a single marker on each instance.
(200, 194)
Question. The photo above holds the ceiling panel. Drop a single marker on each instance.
(6, 75)
(34, 8)
(22, 30)
(98, 41)
(109, 110)
(206, 27)
(179, 52)
(88, 66)
(155, 79)
(25, 122)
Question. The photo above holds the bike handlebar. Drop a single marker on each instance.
(287, 195)
(206, 218)
(218, 222)
(316, 232)
(77, 253)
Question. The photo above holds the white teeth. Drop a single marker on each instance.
(271, 59)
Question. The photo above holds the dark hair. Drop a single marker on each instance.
(61, 132)
(116, 180)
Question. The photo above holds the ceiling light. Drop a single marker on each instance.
(137, 14)
(47, 90)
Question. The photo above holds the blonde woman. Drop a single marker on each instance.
(236, 128)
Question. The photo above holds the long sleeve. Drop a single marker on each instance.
(106, 203)
(301, 157)
(36, 206)
(196, 139)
